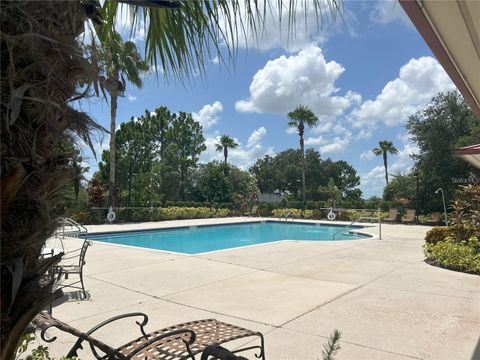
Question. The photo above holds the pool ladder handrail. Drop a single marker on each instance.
(81, 231)
(286, 216)
(360, 218)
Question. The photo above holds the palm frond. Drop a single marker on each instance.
(180, 39)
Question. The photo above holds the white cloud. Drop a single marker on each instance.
(215, 60)
(387, 11)
(418, 81)
(256, 136)
(131, 98)
(208, 115)
(367, 155)
(291, 130)
(124, 23)
(243, 156)
(305, 78)
(271, 33)
(331, 145)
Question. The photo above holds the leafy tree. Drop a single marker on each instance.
(384, 148)
(117, 62)
(187, 134)
(224, 143)
(282, 172)
(402, 186)
(300, 117)
(444, 125)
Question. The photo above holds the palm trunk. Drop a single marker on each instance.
(41, 70)
(385, 163)
(225, 154)
(301, 130)
(113, 116)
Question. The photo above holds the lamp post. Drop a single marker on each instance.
(444, 206)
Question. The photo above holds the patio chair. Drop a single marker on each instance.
(177, 342)
(253, 211)
(409, 217)
(392, 215)
(67, 269)
(434, 219)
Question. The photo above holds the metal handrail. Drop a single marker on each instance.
(364, 218)
(286, 216)
(289, 213)
(72, 223)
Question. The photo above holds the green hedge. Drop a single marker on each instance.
(296, 213)
(461, 256)
(157, 214)
(355, 214)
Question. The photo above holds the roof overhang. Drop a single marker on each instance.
(470, 154)
(452, 31)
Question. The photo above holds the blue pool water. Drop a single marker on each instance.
(218, 237)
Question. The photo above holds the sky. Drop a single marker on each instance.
(362, 76)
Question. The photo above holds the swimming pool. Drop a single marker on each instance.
(200, 239)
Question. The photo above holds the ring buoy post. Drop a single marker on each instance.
(331, 215)
(111, 215)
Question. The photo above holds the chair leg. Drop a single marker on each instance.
(83, 287)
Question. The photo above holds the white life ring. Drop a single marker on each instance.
(331, 216)
(111, 215)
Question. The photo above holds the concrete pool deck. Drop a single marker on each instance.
(385, 300)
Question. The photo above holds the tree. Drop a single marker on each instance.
(385, 147)
(43, 71)
(300, 117)
(445, 124)
(283, 171)
(117, 62)
(160, 145)
(402, 186)
(224, 143)
(187, 134)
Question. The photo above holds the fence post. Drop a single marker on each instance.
(379, 224)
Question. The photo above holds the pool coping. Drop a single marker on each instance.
(365, 235)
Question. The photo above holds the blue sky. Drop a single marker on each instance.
(362, 77)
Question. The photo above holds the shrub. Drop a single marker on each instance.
(81, 217)
(437, 234)
(308, 214)
(461, 256)
(457, 233)
(355, 214)
(283, 212)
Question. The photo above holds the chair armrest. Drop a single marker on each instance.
(154, 339)
(44, 326)
(78, 344)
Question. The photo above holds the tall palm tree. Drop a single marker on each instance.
(118, 62)
(43, 70)
(224, 143)
(385, 147)
(300, 117)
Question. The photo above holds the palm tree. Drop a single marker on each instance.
(117, 62)
(300, 117)
(43, 70)
(385, 147)
(224, 143)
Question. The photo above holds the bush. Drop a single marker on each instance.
(457, 233)
(283, 212)
(437, 234)
(355, 214)
(461, 256)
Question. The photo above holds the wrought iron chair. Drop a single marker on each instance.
(178, 342)
(66, 269)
